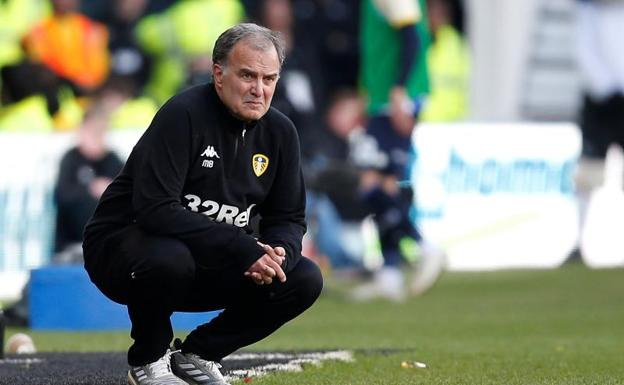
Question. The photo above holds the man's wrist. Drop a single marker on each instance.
(246, 251)
(398, 90)
(400, 99)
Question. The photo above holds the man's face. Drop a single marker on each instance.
(247, 82)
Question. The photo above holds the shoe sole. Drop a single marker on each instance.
(130, 379)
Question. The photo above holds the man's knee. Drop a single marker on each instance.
(309, 281)
(168, 262)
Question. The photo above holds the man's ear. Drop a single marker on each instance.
(217, 73)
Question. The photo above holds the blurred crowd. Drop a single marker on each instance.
(59, 56)
(87, 66)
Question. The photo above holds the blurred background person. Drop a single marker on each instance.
(180, 40)
(72, 45)
(129, 110)
(124, 92)
(74, 48)
(448, 62)
(338, 27)
(326, 32)
(601, 64)
(28, 106)
(299, 92)
(103, 10)
(395, 38)
(18, 17)
(84, 173)
(601, 112)
(128, 58)
(323, 124)
(334, 207)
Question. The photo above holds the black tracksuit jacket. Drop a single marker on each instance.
(198, 175)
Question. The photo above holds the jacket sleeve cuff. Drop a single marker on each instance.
(245, 250)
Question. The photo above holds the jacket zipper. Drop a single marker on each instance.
(236, 142)
(242, 138)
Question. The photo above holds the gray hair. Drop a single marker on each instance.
(258, 37)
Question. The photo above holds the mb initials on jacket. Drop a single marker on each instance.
(209, 152)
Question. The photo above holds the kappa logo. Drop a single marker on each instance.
(210, 152)
(259, 163)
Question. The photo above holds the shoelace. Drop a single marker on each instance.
(161, 367)
(212, 366)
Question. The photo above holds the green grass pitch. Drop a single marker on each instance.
(542, 327)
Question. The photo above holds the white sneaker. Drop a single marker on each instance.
(157, 373)
(388, 283)
(195, 370)
(428, 269)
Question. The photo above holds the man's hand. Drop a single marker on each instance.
(268, 266)
(401, 111)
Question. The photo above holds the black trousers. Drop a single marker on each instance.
(602, 123)
(155, 276)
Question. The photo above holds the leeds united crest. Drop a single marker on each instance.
(259, 163)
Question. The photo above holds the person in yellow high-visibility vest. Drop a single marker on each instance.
(180, 40)
(18, 17)
(449, 67)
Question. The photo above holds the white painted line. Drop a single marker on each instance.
(20, 361)
(295, 362)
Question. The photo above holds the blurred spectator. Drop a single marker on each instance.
(73, 46)
(394, 40)
(18, 17)
(128, 60)
(128, 111)
(449, 65)
(334, 209)
(28, 105)
(324, 152)
(180, 42)
(326, 32)
(339, 47)
(601, 63)
(298, 91)
(85, 172)
(103, 10)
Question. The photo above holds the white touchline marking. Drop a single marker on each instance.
(339, 355)
(295, 363)
(21, 361)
